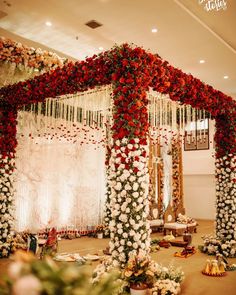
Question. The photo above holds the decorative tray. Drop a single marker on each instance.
(91, 257)
(164, 244)
(214, 275)
(68, 257)
(178, 243)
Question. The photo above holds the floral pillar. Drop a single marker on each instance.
(7, 165)
(129, 179)
(226, 178)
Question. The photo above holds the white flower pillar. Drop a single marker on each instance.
(128, 172)
(128, 180)
(7, 166)
(226, 176)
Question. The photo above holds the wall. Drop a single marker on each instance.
(199, 181)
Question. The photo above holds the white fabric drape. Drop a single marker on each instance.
(59, 183)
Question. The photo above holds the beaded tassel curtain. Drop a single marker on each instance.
(60, 158)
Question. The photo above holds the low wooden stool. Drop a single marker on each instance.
(192, 227)
(176, 228)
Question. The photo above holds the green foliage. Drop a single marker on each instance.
(50, 278)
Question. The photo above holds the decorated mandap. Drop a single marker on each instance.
(130, 72)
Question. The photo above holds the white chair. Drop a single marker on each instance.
(156, 223)
(171, 225)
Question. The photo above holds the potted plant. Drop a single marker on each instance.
(99, 231)
(140, 273)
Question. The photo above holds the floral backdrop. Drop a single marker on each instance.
(132, 71)
(20, 62)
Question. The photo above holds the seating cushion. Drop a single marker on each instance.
(175, 225)
(192, 224)
(156, 222)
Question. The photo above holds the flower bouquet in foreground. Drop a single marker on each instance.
(141, 273)
(28, 275)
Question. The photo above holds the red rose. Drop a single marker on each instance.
(135, 170)
(122, 80)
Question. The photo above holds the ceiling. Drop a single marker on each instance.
(186, 32)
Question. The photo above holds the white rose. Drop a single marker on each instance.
(140, 200)
(132, 178)
(135, 245)
(132, 233)
(128, 187)
(117, 206)
(118, 186)
(120, 231)
(132, 221)
(136, 164)
(127, 210)
(135, 186)
(123, 193)
(135, 194)
(117, 160)
(121, 249)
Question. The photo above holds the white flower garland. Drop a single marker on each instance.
(6, 204)
(213, 246)
(129, 227)
(226, 198)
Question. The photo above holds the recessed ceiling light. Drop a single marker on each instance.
(154, 30)
(226, 77)
(48, 24)
(100, 48)
(201, 61)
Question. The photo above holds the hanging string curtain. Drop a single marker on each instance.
(166, 115)
(91, 110)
